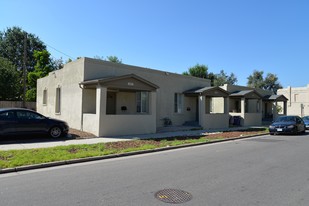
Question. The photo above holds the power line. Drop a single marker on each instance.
(60, 52)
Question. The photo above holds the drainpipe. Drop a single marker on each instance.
(82, 112)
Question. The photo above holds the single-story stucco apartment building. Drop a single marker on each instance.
(298, 100)
(108, 99)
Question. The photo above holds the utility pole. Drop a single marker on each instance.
(24, 69)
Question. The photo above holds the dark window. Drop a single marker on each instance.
(28, 115)
(7, 115)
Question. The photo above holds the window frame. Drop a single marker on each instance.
(58, 101)
(178, 103)
(45, 97)
(142, 102)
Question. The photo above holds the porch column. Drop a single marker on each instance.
(101, 93)
(275, 113)
(201, 106)
(226, 105)
(260, 102)
(284, 107)
(153, 100)
(242, 106)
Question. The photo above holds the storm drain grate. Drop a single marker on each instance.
(173, 196)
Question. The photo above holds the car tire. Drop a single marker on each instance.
(271, 133)
(55, 132)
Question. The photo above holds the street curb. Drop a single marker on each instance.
(89, 159)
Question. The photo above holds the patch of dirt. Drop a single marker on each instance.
(78, 134)
(231, 134)
(130, 144)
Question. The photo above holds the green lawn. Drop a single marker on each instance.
(16, 158)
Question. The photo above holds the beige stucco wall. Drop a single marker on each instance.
(215, 121)
(217, 105)
(127, 99)
(169, 83)
(71, 95)
(91, 102)
(252, 119)
(128, 124)
(298, 100)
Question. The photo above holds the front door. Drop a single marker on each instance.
(111, 103)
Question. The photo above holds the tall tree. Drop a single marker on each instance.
(56, 63)
(222, 78)
(8, 80)
(199, 70)
(270, 82)
(256, 79)
(41, 69)
(12, 48)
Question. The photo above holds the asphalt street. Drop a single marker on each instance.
(265, 170)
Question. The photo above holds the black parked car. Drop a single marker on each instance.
(287, 124)
(306, 120)
(17, 121)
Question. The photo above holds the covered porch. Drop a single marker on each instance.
(212, 107)
(122, 105)
(273, 107)
(245, 108)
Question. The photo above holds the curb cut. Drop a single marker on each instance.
(88, 159)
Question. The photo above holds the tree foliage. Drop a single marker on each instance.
(8, 80)
(256, 80)
(222, 78)
(12, 48)
(41, 69)
(270, 82)
(201, 71)
(114, 59)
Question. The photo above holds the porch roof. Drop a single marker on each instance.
(207, 91)
(130, 81)
(279, 98)
(248, 94)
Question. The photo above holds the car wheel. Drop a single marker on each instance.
(271, 133)
(55, 132)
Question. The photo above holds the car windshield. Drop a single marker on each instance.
(306, 118)
(286, 119)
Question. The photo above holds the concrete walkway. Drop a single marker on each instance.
(31, 144)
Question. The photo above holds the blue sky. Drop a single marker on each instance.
(238, 36)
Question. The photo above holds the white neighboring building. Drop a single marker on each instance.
(298, 103)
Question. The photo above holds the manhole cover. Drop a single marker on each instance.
(173, 196)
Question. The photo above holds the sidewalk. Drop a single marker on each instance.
(63, 142)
